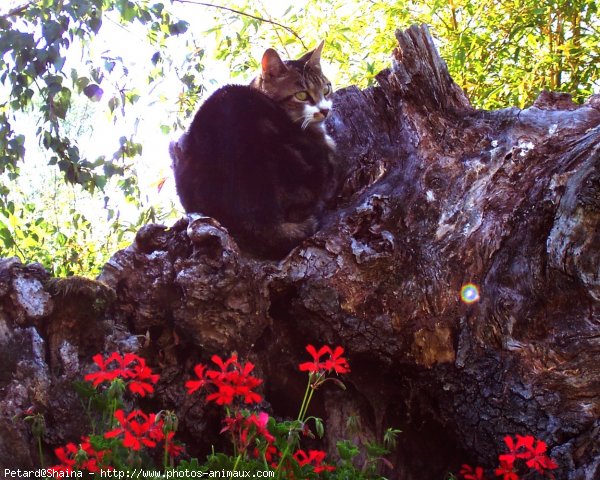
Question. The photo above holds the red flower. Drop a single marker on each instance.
(193, 385)
(245, 430)
(524, 449)
(104, 375)
(129, 367)
(224, 396)
(80, 457)
(314, 458)
(530, 449)
(506, 471)
(244, 382)
(224, 365)
(137, 429)
(316, 365)
(232, 424)
(271, 452)
(260, 424)
(142, 378)
(515, 449)
(536, 455)
(469, 473)
(271, 455)
(335, 362)
(233, 379)
(174, 449)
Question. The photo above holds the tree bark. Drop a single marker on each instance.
(437, 195)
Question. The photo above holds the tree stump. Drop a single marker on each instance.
(437, 195)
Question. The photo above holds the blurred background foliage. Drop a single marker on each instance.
(92, 90)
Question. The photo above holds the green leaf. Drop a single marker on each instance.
(62, 102)
(319, 427)
(347, 450)
(100, 181)
(81, 82)
(375, 450)
(127, 10)
(390, 438)
(52, 31)
(6, 236)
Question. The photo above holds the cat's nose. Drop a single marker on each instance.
(324, 111)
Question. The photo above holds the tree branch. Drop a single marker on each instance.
(239, 12)
(18, 10)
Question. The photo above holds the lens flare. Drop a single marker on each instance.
(469, 293)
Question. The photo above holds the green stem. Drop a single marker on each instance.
(89, 414)
(113, 409)
(284, 455)
(301, 415)
(237, 460)
(166, 455)
(312, 391)
(40, 451)
(305, 399)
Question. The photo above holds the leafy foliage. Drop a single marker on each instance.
(57, 61)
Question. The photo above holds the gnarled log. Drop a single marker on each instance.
(438, 195)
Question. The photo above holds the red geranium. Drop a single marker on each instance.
(316, 365)
(129, 367)
(529, 449)
(506, 470)
(174, 449)
(137, 429)
(524, 451)
(271, 455)
(335, 362)
(80, 457)
(193, 385)
(245, 429)
(232, 379)
(314, 458)
(470, 473)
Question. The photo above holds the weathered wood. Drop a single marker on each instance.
(438, 194)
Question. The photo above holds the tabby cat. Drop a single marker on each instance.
(257, 157)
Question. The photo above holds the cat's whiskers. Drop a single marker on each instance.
(306, 121)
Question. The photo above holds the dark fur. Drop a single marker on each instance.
(245, 163)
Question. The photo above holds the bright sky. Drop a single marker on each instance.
(148, 114)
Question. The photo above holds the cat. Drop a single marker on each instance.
(257, 157)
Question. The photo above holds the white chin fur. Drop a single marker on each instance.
(325, 104)
(309, 111)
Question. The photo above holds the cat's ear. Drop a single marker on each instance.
(272, 65)
(314, 56)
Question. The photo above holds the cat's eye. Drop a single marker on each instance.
(327, 90)
(302, 96)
